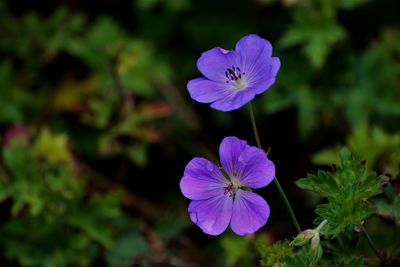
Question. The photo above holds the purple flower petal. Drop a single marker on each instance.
(234, 101)
(250, 213)
(253, 45)
(213, 64)
(248, 164)
(251, 51)
(212, 215)
(255, 169)
(202, 179)
(265, 76)
(229, 151)
(207, 91)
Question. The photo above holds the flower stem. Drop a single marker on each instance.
(253, 123)
(287, 204)
(321, 225)
(370, 242)
(277, 184)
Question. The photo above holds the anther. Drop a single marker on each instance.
(233, 74)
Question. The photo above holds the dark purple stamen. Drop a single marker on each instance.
(229, 190)
(233, 74)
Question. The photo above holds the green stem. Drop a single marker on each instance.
(278, 185)
(321, 225)
(287, 204)
(253, 123)
(370, 242)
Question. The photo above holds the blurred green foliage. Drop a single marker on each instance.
(96, 126)
(49, 207)
(378, 148)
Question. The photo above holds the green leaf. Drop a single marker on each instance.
(52, 147)
(317, 32)
(275, 254)
(347, 190)
(370, 143)
(126, 249)
(169, 227)
(93, 218)
(323, 183)
(297, 261)
(236, 248)
(389, 210)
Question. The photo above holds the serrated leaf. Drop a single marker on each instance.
(323, 183)
(347, 191)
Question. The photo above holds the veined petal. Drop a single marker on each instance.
(202, 179)
(229, 151)
(250, 212)
(214, 63)
(255, 170)
(235, 100)
(251, 50)
(212, 215)
(206, 91)
(264, 76)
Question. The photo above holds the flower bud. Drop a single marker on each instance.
(303, 237)
(315, 241)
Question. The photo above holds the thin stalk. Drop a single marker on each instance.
(277, 184)
(321, 225)
(287, 204)
(370, 242)
(253, 123)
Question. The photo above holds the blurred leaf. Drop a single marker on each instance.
(93, 218)
(99, 46)
(172, 5)
(127, 247)
(12, 98)
(307, 104)
(62, 227)
(370, 143)
(72, 95)
(52, 147)
(273, 255)
(139, 68)
(136, 125)
(358, 262)
(371, 85)
(317, 32)
(236, 248)
(389, 210)
(169, 227)
(138, 153)
(35, 242)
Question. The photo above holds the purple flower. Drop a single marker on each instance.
(233, 78)
(217, 200)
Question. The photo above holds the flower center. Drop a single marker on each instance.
(230, 189)
(235, 76)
